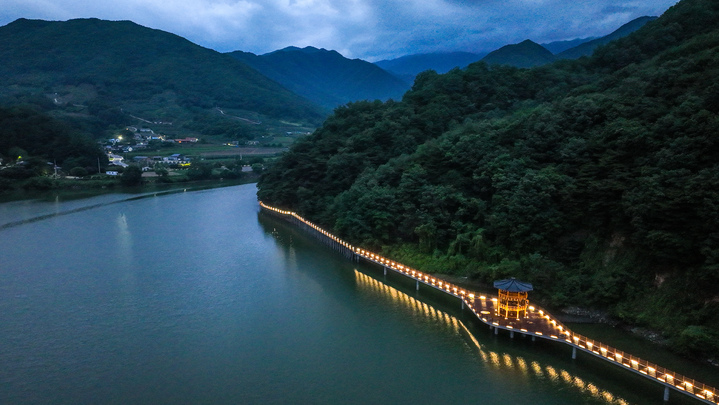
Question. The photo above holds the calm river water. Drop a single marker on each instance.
(196, 298)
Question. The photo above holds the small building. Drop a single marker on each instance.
(187, 140)
(512, 302)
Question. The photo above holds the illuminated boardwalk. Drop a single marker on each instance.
(538, 322)
(493, 359)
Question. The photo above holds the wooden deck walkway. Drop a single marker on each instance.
(538, 323)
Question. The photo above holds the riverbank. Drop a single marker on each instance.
(84, 189)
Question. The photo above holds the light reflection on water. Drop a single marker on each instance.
(516, 365)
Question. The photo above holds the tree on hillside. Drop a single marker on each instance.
(131, 176)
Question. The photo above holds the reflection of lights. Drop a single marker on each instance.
(552, 372)
(508, 360)
(537, 369)
(396, 296)
(522, 364)
(494, 358)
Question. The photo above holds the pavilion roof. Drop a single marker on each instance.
(513, 285)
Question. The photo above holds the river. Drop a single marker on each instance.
(197, 298)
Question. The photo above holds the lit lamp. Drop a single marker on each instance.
(512, 302)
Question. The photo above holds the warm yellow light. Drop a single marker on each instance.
(471, 296)
(531, 308)
(482, 297)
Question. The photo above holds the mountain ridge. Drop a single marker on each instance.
(325, 76)
(587, 48)
(115, 66)
(525, 54)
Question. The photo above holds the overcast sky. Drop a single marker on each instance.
(367, 29)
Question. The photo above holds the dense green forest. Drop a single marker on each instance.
(28, 134)
(110, 74)
(595, 179)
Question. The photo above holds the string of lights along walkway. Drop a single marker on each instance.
(510, 311)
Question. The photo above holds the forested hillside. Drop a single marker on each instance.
(596, 179)
(27, 133)
(524, 55)
(325, 77)
(105, 72)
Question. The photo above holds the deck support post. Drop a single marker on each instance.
(666, 394)
(463, 304)
(496, 330)
(385, 270)
(533, 338)
(417, 285)
(574, 352)
(511, 334)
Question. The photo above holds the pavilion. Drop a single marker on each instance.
(512, 302)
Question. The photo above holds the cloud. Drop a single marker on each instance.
(369, 29)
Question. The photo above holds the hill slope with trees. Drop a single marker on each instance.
(325, 77)
(587, 48)
(595, 179)
(104, 71)
(523, 55)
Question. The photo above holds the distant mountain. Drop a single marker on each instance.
(524, 55)
(529, 54)
(407, 67)
(561, 46)
(325, 77)
(112, 70)
(587, 48)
